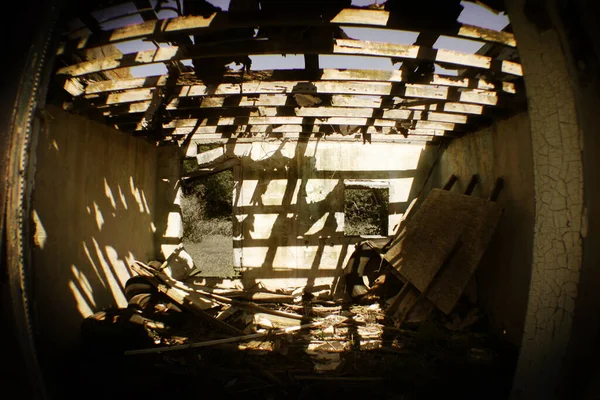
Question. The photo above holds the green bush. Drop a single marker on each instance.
(206, 204)
(366, 211)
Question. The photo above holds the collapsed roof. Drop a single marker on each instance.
(204, 98)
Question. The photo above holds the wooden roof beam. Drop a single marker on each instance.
(262, 47)
(316, 89)
(335, 101)
(169, 29)
(316, 112)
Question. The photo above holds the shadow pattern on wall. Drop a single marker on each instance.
(288, 209)
(93, 210)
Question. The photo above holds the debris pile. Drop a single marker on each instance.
(388, 310)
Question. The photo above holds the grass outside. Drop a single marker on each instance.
(213, 255)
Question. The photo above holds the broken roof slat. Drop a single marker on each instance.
(322, 112)
(350, 101)
(300, 75)
(200, 132)
(253, 121)
(190, 25)
(258, 47)
(318, 88)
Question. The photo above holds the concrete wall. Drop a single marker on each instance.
(502, 150)
(93, 210)
(289, 207)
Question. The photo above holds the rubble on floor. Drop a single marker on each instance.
(378, 325)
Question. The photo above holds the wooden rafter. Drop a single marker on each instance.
(353, 75)
(337, 47)
(315, 112)
(347, 101)
(171, 28)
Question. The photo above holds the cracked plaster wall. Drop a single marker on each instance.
(558, 184)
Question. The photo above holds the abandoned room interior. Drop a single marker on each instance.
(302, 199)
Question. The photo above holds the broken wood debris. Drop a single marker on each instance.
(339, 326)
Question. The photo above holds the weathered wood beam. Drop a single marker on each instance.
(266, 130)
(262, 47)
(317, 112)
(315, 90)
(375, 138)
(166, 29)
(303, 121)
(297, 75)
(262, 101)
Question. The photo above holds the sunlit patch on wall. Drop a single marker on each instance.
(99, 217)
(84, 284)
(136, 194)
(82, 305)
(318, 225)
(108, 192)
(122, 197)
(93, 264)
(113, 283)
(144, 201)
(119, 266)
(40, 235)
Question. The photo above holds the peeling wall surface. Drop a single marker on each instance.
(289, 204)
(501, 150)
(558, 183)
(93, 207)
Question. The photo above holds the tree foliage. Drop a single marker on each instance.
(207, 204)
(366, 211)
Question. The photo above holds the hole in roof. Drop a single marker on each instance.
(133, 46)
(363, 3)
(475, 14)
(445, 71)
(462, 45)
(235, 67)
(260, 62)
(148, 70)
(355, 62)
(121, 22)
(382, 35)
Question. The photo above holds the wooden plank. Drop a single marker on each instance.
(215, 22)
(316, 112)
(265, 101)
(313, 88)
(374, 138)
(268, 129)
(451, 281)
(262, 101)
(290, 121)
(262, 47)
(440, 246)
(326, 88)
(426, 240)
(290, 131)
(300, 76)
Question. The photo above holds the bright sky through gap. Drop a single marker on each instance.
(472, 14)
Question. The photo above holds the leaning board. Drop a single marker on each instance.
(441, 245)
